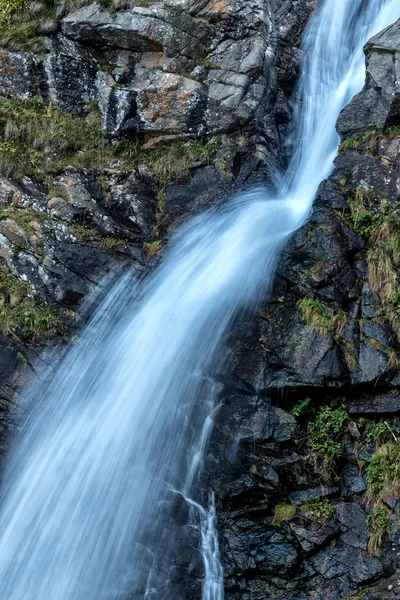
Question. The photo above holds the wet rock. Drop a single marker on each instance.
(340, 560)
(388, 402)
(353, 524)
(303, 496)
(379, 102)
(315, 534)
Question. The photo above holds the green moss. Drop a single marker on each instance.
(283, 513)
(315, 317)
(320, 508)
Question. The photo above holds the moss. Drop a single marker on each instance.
(380, 525)
(319, 508)
(20, 314)
(349, 354)
(283, 513)
(315, 317)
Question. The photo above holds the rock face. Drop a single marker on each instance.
(320, 354)
(323, 346)
(378, 104)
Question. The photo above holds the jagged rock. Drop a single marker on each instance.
(378, 105)
(315, 534)
(62, 64)
(302, 496)
(353, 525)
(20, 74)
(340, 560)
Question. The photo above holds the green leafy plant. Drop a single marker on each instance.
(325, 431)
(302, 407)
(319, 508)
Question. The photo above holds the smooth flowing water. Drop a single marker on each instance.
(119, 433)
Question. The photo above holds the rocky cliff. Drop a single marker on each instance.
(118, 120)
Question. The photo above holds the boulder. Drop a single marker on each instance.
(378, 104)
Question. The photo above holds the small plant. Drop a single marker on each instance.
(380, 524)
(152, 248)
(283, 513)
(384, 472)
(302, 407)
(319, 508)
(325, 431)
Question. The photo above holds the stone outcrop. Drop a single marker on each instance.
(378, 104)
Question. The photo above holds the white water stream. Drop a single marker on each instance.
(85, 508)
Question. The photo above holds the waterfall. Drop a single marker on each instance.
(114, 442)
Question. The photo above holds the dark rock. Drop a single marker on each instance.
(379, 102)
(300, 497)
(315, 534)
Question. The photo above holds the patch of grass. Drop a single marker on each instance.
(315, 317)
(40, 140)
(19, 29)
(208, 64)
(113, 243)
(384, 472)
(23, 217)
(374, 135)
(319, 508)
(20, 314)
(283, 513)
(80, 231)
(10, 8)
(380, 525)
(381, 231)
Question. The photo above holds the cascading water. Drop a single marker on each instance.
(119, 432)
